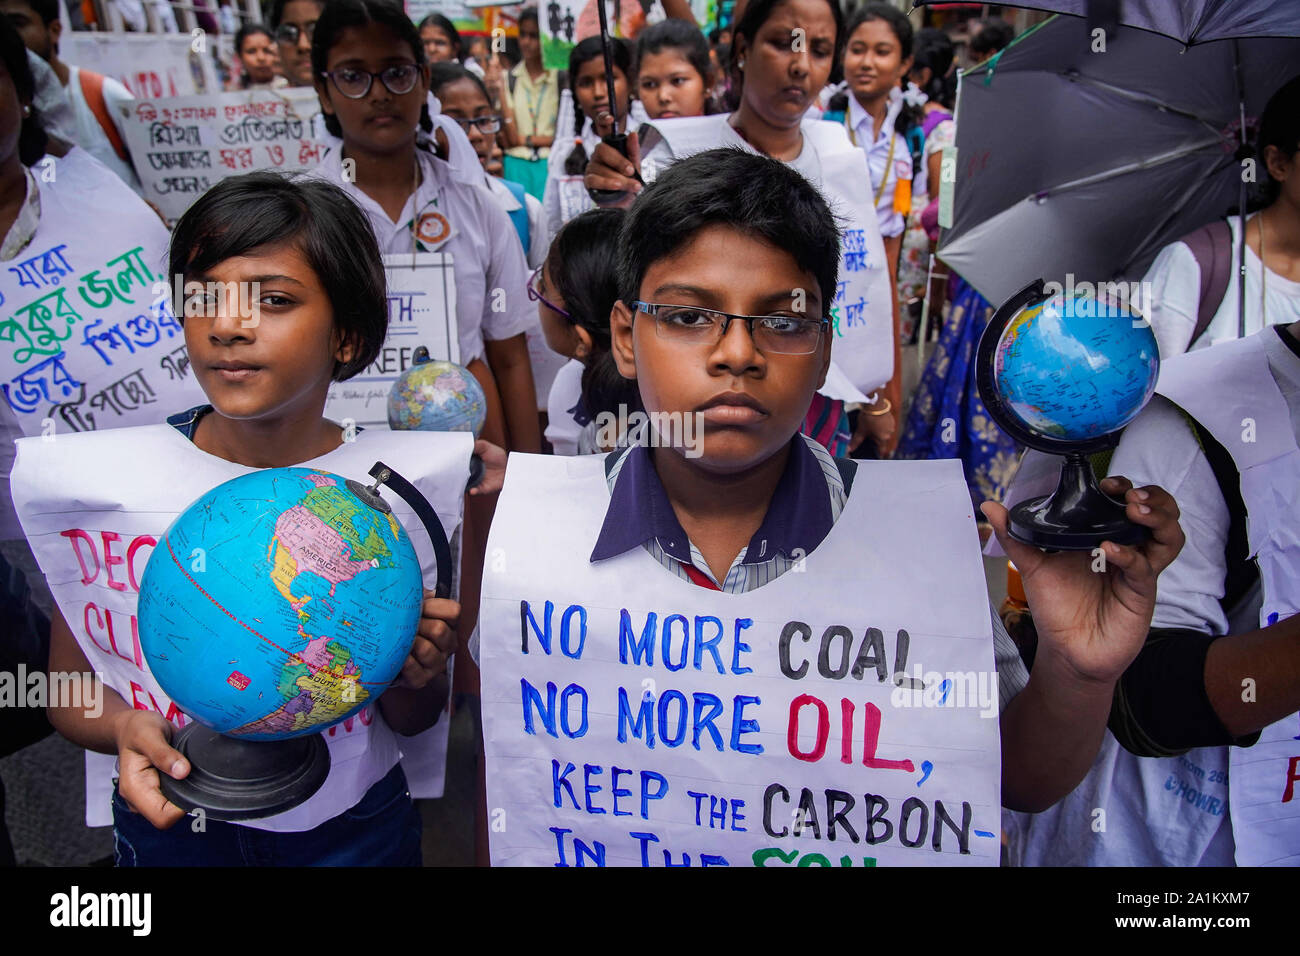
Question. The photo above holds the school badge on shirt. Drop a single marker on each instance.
(432, 228)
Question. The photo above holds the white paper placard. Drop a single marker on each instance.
(182, 145)
(150, 66)
(421, 311)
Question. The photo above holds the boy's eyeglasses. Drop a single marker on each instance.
(537, 296)
(484, 124)
(288, 33)
(354, 83)
(692, 326)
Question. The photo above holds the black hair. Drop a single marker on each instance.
(448, 72)
(620, 52)
(993, 35)
(275, 13)
(251, 30)
(909, 117)
(447, 27)
(1279, 126)
(687, 40)
(340, 15)
(756, 14)
(32, 141)
(47, 10)
(582, 265)
(756, 195)
(934, 50)
(528, 14)
(241, 214)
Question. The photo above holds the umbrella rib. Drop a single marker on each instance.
(1142, 98)
(1125, 170)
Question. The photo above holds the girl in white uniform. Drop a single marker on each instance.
(373, 84)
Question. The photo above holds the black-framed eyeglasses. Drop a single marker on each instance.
(288, 33)
(355, 84)
(781, 333)
(536, 295)
(484, 124)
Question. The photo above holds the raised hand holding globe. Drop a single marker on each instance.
(1064, 375)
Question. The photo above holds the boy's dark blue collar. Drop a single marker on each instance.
(798, 516)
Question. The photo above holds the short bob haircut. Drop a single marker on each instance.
(758, 196)
(246, 213)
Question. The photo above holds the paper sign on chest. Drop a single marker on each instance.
(421, 312)
(95, 508)
(634, 719)
(88, 339)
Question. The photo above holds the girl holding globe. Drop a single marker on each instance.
(319, 317)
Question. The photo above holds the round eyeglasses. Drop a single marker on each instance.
(354, 83)
(484, 124)
(535, 294)
(691, 326)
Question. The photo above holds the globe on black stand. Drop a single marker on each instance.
(198, 623)
(1064, 375)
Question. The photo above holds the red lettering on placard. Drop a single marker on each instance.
(1292, 775)
(137, 657)
(110, 559)
(871, 738)
(823, 728)
(140, 541)
(74, 535)
(364, 715)
(99, 621)
(173, 714)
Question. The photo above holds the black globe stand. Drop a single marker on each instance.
(233, 779)
(1078, 516)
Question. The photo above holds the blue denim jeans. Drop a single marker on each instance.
(383, 829)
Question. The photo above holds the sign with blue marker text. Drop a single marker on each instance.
(836, 716)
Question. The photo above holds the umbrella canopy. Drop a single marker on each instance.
(1188, 21)
(1070, 161)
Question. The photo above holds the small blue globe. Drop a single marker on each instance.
(435, 396)
(1075, 369)
(278, 604)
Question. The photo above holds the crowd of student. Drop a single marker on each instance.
(708, 278)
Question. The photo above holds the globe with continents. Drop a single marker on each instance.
(437, 397)
(1073, 369)
(279, 603)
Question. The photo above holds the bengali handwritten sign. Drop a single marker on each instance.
(183, 145)
(632, 718)
(421, 311)
(88, 339)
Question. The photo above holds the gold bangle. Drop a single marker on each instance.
(889, 407)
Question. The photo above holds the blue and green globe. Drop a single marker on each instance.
(435, 396)
(278, 604)
(1074, 369)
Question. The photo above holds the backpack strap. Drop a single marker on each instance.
(519, 216)
(1211, 246)
(92, 88)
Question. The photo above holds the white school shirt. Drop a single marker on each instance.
(1175, 282)
(566, 391)
(485, 248)
(883, 166)
(579, 200)
(546, 364)
(1158, 809)
(91, 136)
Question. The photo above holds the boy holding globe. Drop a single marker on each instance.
(726, 264)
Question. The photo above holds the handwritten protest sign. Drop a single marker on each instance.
(95, 508)
(182, 145)
(149, 66)
(421, 311)
(88, 339)
(836, 716)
